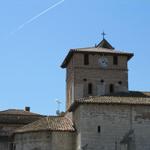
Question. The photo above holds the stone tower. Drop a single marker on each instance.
(95, 71)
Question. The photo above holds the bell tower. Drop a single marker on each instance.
(95, 71)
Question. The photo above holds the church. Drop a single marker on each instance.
(101, 112)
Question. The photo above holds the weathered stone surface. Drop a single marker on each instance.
(120, 125)
(45, 140)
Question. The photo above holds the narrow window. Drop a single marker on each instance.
(90, 88)
(84, 79)
(102, 81)
(99, 129)
(111, 88)
(86, 59)
(120, 82)
(115, 60)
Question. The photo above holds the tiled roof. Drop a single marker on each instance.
(131, 99)
(17, 112)
(94, 50)
(101, 50)
(17, 116)
(131, 94)
(51, 123)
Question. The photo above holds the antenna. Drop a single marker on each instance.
(58, 106)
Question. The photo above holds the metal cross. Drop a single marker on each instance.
(103, 34)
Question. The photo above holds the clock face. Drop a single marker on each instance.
(103, 62)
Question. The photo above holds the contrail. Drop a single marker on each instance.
(37, 16)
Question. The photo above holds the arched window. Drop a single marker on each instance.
(90, 88)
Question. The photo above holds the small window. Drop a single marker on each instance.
(120, 82)
(115, 60)
(111, 88)
(85, 79)
(90, 88)
(102, 81)
(99, 129)
(86, 59)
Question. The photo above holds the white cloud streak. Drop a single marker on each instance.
(37, 16)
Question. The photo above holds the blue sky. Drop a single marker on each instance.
(30, 73)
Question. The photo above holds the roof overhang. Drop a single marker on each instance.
(110, 52)
(110, 100)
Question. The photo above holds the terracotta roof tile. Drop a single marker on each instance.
(131, 94)
(17, 116)
(17, 112)
(51, 123)
(121, 100)
(116, 100)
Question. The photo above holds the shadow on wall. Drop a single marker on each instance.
(128, 141)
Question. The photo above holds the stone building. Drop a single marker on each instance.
(12, 119)
(49, 133)
(101, 112)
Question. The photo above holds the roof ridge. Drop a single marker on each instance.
(82, 48)
(111, 100)
(114, 50)
(106, 96)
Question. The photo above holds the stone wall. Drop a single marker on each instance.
(33, 141)
(63, 141)
(4, 143)
(45, 140)
(112, 127)
(69, 83)
(6, 131)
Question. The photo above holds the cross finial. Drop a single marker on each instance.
(103, 34)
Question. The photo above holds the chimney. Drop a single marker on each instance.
(27, 109)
